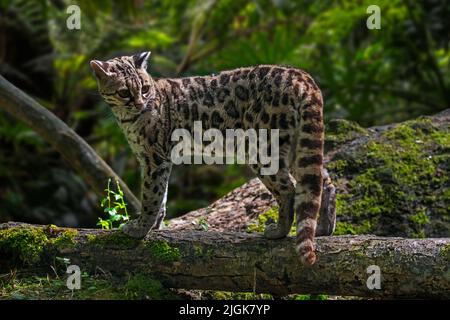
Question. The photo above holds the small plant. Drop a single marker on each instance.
(203, 224)
(113, 204)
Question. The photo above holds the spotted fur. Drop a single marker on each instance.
(264, 97)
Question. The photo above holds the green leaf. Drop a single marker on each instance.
(119, 205)
(203, 224)
(115, 217)
(104, 224)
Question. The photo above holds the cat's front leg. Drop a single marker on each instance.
(154, 196)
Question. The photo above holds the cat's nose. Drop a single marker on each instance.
(139, 103)
(140, 106)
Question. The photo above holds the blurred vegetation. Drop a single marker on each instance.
(369, 76)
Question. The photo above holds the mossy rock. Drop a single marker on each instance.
(395, 181)
(340, 131)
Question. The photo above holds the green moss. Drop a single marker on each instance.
(93, 287)
(260, 224)
(340, 131)
(23, 245)
(445, 251)
(338, 165)
(141, 286)
(162, 251)
(102, 287)
(46, 287)
(51, 228)
(402, 172)
(65, 239)
(114, 238)
(200, 252)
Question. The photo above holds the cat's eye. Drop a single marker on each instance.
(145, 89)
(124, 93)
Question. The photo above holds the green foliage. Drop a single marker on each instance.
(203, 224)
(114, 205)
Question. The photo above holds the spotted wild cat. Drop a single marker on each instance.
(148, 110)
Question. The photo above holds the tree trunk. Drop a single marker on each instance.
(409, 268)
(94, 170)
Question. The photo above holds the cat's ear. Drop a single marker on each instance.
(100, 68)
(140, 59)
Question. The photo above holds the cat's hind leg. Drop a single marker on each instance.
(281, 186)
(327, 217)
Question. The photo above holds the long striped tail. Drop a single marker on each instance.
(308, 174)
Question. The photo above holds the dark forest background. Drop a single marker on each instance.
(373, 77)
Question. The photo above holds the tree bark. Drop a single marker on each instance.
(409, 268)
(93, 169)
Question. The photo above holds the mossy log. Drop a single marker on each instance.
(240, 262)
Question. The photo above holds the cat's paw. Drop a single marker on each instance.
(139, 227)
(275, 231)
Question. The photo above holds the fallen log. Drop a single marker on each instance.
(233, 261)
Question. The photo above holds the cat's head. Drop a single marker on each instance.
(124, 83)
